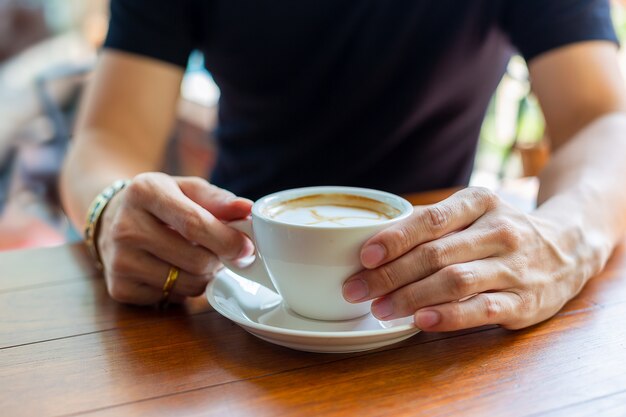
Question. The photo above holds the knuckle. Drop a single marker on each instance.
(389, 278)
(484, 196)
(413, 301)
(435, 255)
(398, 240)
(493, 309)
(437, 217)
(139, 188)
(462, 280)
(508, 235)
(190, 225)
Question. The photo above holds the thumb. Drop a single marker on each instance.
(221, 203)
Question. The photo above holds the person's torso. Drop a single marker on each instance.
(382, 94)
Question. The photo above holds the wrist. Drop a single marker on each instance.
(94, 217)
(584, 249)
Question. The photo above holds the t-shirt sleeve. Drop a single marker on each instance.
(159, 29)
(537, 26)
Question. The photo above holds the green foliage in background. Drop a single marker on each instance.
(493, 149)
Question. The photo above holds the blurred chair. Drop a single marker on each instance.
(30, 210)
(39, 166)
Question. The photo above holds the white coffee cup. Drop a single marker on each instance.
(307, 246)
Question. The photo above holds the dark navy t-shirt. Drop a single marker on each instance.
(387, 94)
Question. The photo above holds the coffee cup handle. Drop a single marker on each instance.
(254, 271)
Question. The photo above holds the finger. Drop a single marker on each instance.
(465, 246)
(143, 268)
(426, 224)
(187, 284)
(452, 283)
(161, 196)
(168, 245)
(221, 203)
(136, 293)
(480, 310)
(140, 230)
(127, 291)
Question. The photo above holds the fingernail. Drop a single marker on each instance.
(355, 290)
(372, 255)
(382, 308)
(427, 318)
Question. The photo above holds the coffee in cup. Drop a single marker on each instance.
(331, 210)
(308, 242)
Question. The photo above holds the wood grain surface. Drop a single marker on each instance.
(67, 349)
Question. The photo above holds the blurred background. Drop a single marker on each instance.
(47, 49)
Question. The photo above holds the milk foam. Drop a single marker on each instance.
(329, 216)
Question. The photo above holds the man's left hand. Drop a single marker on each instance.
(467, 261)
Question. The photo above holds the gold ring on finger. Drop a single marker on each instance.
(170, 281)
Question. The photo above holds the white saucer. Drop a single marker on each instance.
(262, 313)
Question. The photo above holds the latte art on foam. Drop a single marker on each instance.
(328, 216)
(332, 210)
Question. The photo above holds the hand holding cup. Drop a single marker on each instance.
(158, 222)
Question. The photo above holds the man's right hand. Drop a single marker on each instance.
(159, 221)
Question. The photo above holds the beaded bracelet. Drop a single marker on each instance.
(93, 216)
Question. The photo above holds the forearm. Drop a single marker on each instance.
(582, 192)
(126, 116)
(93, 162)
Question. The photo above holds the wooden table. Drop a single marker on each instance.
(67, 349)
